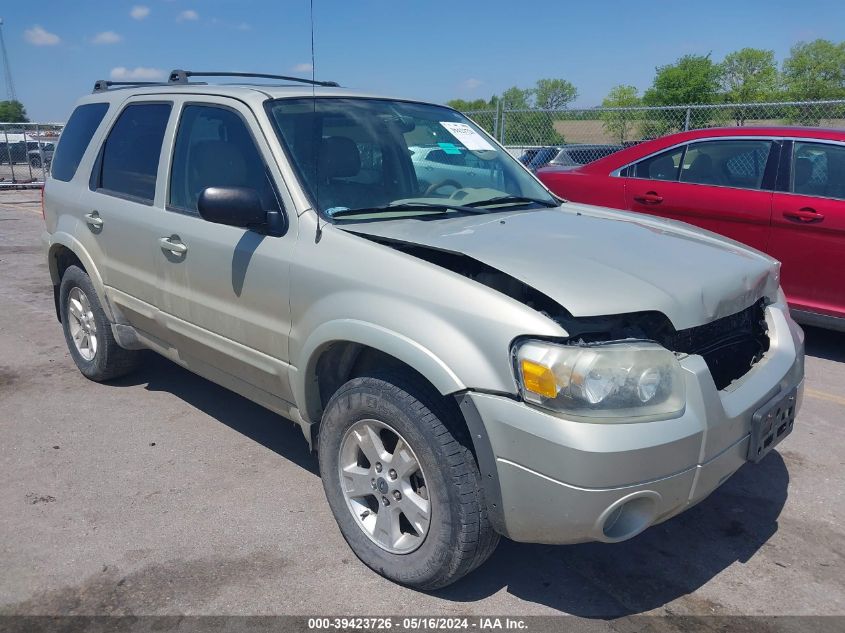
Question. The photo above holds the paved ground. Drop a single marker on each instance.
(162, 493)
(19, 172)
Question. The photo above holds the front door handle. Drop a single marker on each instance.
(173, 244)
(807, 215)
(94, 220)
(650, 197)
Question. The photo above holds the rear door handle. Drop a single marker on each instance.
(807, 215)
(649, 197)
(94, 220)
(173, 244)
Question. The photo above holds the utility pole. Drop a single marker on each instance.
(10, 85)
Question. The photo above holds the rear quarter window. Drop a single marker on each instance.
(76, 136)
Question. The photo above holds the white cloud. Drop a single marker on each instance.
(472, 84)
(302, 68)
(41, 37)
(243, 26)
(188, 15)
(106, 37)
(139, 73)
(139, 11)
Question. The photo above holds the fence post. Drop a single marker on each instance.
(686, 120)
(502, 140)
(496, 121)
(9, 152)
(40, 155)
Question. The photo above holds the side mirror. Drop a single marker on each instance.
(235, 206)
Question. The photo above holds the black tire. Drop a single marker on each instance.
(109, 360)
(460, 536)
(35, 162)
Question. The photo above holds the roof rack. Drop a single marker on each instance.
(181, 77)
(102, 85)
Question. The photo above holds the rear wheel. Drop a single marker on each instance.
(402, 481)
(88, 331)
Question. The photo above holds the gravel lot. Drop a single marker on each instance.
(163, 493)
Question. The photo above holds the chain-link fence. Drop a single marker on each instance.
(26, 151)
(583, 135)
(568, 137)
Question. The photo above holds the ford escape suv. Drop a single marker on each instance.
(469, 356)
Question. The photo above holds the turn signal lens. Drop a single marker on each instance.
(539, 379)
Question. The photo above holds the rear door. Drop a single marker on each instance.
(722, 185)
(808, 227)
(120, 210)
(65, 212)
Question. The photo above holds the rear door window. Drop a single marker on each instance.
(663, 166)
(739, 163)
(75, 138)
(128, 163)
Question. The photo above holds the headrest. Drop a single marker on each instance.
(339, 157)
(219, 162)
(662, 168)
(803, 170)
(702, 165)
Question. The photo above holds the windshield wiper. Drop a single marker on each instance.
(509, 199)
(407, 206)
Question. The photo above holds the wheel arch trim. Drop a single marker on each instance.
(421, 359)
(59, 240)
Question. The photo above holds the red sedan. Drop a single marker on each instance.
(778, 189)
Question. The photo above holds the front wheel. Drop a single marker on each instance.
(402, 481)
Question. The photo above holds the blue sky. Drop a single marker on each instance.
(428, 49)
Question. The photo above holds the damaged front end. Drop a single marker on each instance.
(729, 345)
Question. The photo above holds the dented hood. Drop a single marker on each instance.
(595, 261)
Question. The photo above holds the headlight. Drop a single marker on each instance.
(611, 380)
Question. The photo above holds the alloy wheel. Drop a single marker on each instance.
(82, 325)
(384, 486)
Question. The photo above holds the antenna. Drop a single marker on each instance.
(10, 85)
(319, 232)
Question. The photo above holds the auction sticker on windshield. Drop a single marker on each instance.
(468, 137)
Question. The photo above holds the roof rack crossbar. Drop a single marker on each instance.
(102, 85)
(181, 77)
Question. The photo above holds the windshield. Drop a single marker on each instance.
(394, 159)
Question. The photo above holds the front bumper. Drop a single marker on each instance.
(561, 481)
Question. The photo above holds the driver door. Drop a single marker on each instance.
(224, 289)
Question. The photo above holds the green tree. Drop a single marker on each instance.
(554, 94)
(692, 79)
(815, 70)
(749, 75)
(516, 98)
(620, 123)
(12, 112)
(468, 106)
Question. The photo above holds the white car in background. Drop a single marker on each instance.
(439, 167)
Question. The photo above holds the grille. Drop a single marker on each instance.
(730, 346)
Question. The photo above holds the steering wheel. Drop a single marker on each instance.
(448, 182)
